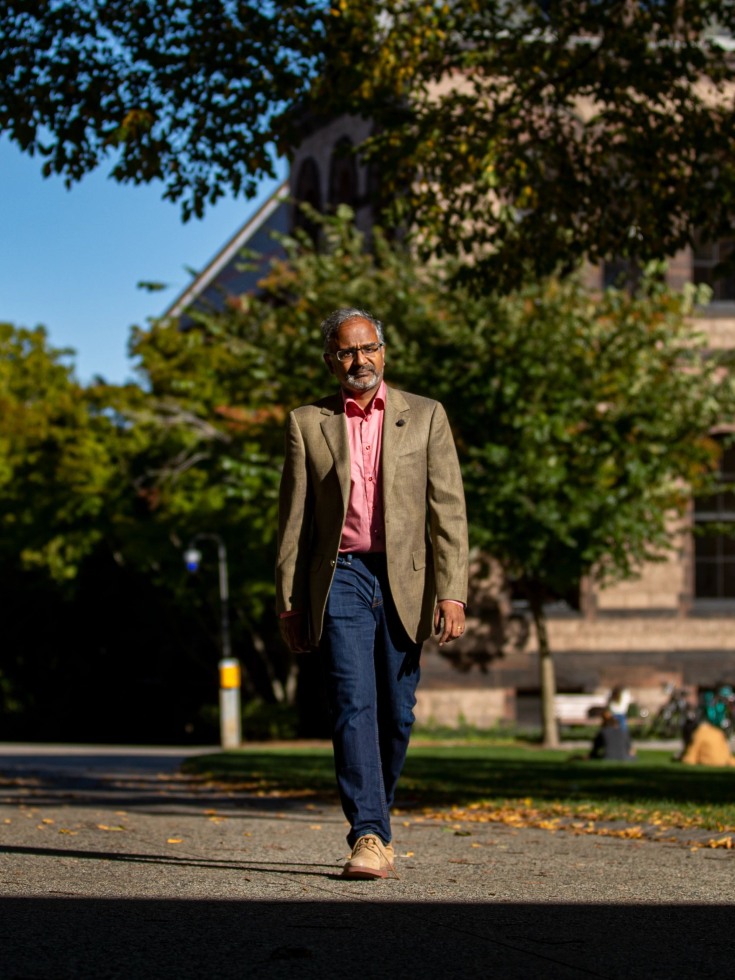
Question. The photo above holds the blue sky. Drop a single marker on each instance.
(71, 259)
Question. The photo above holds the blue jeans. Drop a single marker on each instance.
(372, 669)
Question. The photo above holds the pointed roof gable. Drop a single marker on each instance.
(221, 276)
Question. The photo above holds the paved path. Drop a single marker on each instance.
(112, 865)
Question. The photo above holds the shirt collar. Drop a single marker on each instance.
(377, 402)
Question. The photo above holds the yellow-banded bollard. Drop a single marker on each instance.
(230, 723)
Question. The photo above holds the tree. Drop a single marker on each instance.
(59, 457)
(582, 424)
(188, 92)
(103, 634)
(521, 137)
(582, 421)
(526, 137)
(584, 427)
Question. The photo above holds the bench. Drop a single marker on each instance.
(578, 709)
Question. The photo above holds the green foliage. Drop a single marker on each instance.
(189, 93)
(59, 457)
(542, 133)
(582, 424)
(263, 722)
(582, 420)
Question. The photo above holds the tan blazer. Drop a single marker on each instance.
(423, 507)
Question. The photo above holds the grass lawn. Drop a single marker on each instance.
(519, 782)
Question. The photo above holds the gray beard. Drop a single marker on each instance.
(363, 384)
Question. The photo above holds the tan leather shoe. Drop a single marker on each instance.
(370, 858)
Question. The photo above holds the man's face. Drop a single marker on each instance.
(362, 372)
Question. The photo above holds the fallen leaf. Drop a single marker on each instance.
(47, 820)
(103, 826)
(628, 833)
(315, 826)
(174, 840)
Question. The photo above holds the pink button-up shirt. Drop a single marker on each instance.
(364, 529)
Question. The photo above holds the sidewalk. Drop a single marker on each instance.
(113, 865)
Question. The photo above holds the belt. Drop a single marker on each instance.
(366, 557)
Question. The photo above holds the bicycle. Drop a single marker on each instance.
(673, 717)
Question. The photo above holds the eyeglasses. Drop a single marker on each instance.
(350, 353)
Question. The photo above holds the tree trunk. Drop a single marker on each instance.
(547, 674)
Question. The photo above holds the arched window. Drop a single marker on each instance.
(307, 191)
(343, 174)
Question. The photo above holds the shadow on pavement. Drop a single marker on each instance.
(53, 938)
(149, 796)
(172, 860)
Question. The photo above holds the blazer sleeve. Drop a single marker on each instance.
(294, 525)
(446, 510)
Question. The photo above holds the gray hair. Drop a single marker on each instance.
(331, 324)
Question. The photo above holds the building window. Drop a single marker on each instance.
(714, 553)
(307, 191)
(709, 266)
(343, 174)
(620, 273)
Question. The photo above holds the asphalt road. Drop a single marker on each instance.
(113, 865)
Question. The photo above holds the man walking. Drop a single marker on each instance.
(372, 529)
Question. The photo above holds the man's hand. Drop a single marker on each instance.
(295, 632)
(448, 621)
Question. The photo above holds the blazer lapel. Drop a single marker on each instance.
(334, 429)
(395, 426)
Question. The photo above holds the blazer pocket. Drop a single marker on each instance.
(419, 560)
(409, 454)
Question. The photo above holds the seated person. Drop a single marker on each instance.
(619, 703)
(707, 746)
(612, 741)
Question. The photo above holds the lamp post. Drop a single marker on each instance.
(229, 668)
